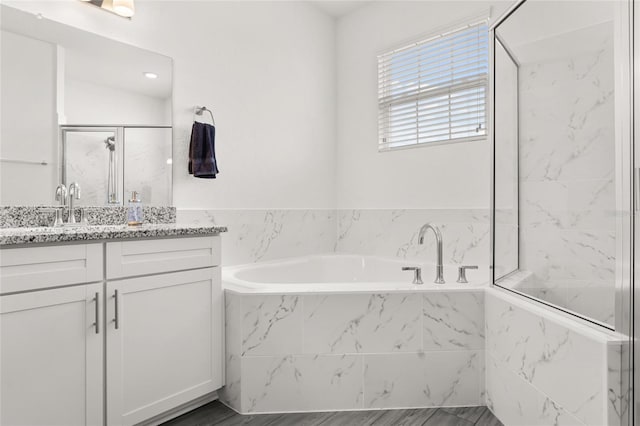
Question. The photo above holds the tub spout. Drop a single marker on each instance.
(439, 268)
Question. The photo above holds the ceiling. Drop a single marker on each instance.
(338, 8)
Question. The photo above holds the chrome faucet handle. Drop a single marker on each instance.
(462, 273)
(417, 273)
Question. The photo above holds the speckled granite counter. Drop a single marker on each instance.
(17, 236)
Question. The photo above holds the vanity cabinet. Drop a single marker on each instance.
(143, 340)
(51, 357)
(163, 343)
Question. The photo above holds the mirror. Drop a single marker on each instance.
(78, 107)
(555, 156)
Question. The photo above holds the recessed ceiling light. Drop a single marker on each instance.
(151, 75)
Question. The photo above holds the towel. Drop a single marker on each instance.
(202, 151)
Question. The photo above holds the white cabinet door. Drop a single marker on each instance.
(51, 357)
(164, 343)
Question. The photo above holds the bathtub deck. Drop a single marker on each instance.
(216, 413)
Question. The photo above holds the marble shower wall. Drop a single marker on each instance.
(567, 188)
(546, 370)
(325, 352)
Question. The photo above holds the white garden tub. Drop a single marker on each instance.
(341, 273)
(344, 332)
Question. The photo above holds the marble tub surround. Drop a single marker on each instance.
(37, 235)
(260, 234)
(26, 216)
(536, 364)
(311, 352)
(385, 232)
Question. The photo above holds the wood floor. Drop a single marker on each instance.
(216, 413)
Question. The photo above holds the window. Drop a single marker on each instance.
(434, 90)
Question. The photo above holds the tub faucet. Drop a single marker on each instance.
(439, 278)
(74, 192)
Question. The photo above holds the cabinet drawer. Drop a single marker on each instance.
(31, 268)
(132, 258)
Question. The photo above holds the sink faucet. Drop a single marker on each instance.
(439, 278)
(74, 192)
(61, 197)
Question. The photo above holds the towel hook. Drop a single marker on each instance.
(199, 110)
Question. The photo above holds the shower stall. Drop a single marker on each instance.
(563, 193)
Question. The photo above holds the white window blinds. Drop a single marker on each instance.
(434, 90)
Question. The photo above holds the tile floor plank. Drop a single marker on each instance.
(300, 419)
(471, 414)
(406, 417)
(350, 418)
(442, 418)
(217, 414)
(488, 419)
(208, 414)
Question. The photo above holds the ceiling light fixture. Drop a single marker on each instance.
(151, 75)
(124, 8)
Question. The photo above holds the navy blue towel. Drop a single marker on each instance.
(202, 151)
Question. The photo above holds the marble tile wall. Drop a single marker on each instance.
(354, 351)
(567, 189)
(258, 235)
(546, 370)
(465, 234)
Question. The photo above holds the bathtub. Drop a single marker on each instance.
(342, 273)
(345, 332)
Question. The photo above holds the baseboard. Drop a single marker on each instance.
(180, 410)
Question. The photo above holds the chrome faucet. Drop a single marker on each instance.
(74, 192)
(439, 269)
(61, 197)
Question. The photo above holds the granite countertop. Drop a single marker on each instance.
(15, 236)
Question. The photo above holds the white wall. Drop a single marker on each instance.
(89, 103)
(28, 130)
(445, 176)
(265, 68)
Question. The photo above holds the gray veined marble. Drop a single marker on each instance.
(362, 323)
(272, 325)
(351, 351)
(453, 321)
(543, 360)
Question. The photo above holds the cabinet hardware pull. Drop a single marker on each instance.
(97, 323)
(115, 319)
